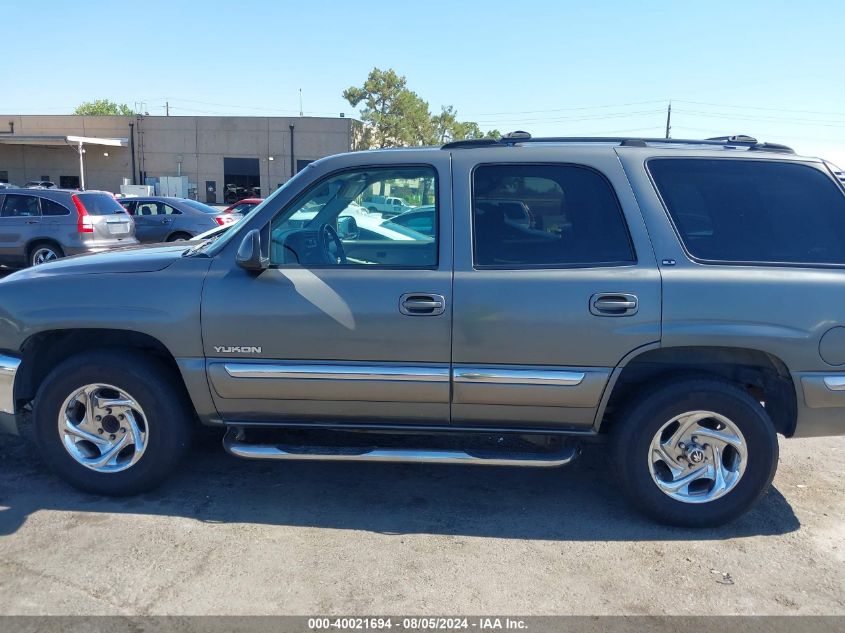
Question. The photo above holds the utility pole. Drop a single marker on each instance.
(300, 102)
(669, 119)
(166, 108)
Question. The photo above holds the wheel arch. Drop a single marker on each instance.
(763, 375)
(40, 240)
(176, 232)
(44, 350)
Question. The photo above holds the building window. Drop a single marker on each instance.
(69, 182)
(4, 176)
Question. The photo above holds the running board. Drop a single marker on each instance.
(234, 445)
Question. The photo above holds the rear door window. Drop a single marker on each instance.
(753, 211)
(18, 206)
(546, 216)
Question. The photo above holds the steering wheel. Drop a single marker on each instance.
(331, 246)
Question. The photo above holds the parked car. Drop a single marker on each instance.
(422, 219)
(163, 219)
(387, 205)
(680, 353)
(40, 184)
(40, 225)
(244, 206)
(6, 185)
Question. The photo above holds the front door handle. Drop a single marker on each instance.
(613, 304)
(422, 304)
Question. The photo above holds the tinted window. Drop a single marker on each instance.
(100, 203)
(546, 216)
(50, 207)
(753, 211)
(16, 206)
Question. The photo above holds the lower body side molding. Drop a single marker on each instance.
(235, 444)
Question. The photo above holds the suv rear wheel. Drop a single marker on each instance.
(43, 252)
(695, 452)
(111, 422)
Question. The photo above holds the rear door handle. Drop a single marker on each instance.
(613, 304)
(421, 304)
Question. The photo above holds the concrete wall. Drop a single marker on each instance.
(200, 143)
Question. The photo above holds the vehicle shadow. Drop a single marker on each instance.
(578, 503)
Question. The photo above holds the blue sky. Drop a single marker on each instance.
(771, 69)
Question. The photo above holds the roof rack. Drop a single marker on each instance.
(740, 140)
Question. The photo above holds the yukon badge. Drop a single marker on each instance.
(238, 349)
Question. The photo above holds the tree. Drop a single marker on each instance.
(385, 99)
(103, 107)
(396, 116)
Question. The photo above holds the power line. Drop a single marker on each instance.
(597, 117)
(746, 107)
(567, 109)
(764, 118)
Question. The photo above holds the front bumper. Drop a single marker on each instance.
(8, 372)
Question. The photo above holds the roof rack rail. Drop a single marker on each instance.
(739, 140)
(470, 142)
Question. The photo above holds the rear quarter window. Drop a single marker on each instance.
(753, 211)
(51, 207)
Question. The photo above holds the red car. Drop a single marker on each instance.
(244, 206)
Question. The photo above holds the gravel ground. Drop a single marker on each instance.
(226, 536)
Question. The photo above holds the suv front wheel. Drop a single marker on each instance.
(695, 452)
(111, 422)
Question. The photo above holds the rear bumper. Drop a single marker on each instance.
(8, 372)
(821, 403)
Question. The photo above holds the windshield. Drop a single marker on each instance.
(223, 238)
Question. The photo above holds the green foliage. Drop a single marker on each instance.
(396, 116)
(103, 107)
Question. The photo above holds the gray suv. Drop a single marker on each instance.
(40, 225)
(680, 303)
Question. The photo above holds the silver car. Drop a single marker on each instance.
(40, 225)
(164, 219)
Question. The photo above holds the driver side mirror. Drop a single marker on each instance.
(347, 228)
(251, 254)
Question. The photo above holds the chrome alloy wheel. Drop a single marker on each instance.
(43, 255)
(103, 428)
(697, 457)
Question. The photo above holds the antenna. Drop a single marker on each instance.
(669, 119)
(300, 102)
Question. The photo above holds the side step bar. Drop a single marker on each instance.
(235, 445)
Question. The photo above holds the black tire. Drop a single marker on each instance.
(154, 387)
(179, 236)
(639, 422)
(40, 246)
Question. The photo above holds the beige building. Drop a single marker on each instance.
(252, 153)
